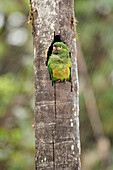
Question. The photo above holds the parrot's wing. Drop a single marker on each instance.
(70, 68)
(50, 70)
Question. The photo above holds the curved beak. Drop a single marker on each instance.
(55, 50)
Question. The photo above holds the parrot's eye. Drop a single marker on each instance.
(60, 47)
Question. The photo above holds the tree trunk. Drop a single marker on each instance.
(56, 107)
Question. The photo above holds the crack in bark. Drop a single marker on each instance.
(54, 166)
(53, 151)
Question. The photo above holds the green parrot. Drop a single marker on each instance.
(59, 63)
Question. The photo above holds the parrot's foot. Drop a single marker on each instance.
(61, 81)
(58, 81)
(64, 81)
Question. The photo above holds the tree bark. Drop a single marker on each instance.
(57, 141)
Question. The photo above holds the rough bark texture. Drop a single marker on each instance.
(56, 107)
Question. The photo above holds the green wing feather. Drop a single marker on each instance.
(49, 68)
(70, 68)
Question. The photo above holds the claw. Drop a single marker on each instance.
(59, 81)
(64, 80)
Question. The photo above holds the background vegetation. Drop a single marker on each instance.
(95, 32)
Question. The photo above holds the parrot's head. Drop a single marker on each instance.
(60, 48)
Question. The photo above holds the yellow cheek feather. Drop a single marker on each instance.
(64, 49)
(61, 48)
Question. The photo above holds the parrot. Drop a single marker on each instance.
(59, 63)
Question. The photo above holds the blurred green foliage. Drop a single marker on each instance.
(17, 80)
(16, 87)
(96, 36)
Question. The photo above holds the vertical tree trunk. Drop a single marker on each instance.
(56, 107)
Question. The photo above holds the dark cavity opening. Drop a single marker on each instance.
(56, 39)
